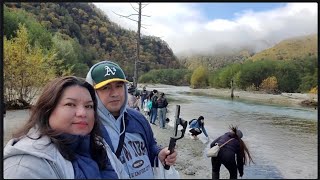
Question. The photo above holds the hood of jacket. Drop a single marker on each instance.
(38, 147)
(42, 147)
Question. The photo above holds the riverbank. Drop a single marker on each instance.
(284, 99)
(191, 160)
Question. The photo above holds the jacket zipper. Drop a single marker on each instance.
(55, 169)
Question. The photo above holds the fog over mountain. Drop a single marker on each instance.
(187, 30)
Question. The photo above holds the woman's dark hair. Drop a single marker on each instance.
(244, 151)
(199, 121)
(43, 108)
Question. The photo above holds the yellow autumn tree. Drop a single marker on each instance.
(270, 84)
(26, 68)
(199, 78)
(314, 90)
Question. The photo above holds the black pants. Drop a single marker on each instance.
(227, 158)
(195, 131)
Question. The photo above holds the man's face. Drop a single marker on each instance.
(112, 96)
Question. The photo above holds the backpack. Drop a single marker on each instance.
(191, 121)
(149, 104)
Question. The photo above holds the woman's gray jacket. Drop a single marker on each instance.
(28, 158)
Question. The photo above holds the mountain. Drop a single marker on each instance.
(293, 48)
(100, 38)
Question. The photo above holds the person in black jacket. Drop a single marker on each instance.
(226, 156)
(162, 104)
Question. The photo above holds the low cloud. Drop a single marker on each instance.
(188, 30)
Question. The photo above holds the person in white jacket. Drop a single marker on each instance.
(61, 139)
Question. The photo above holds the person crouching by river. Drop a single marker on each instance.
(62, 139)
(197, 127)
(227, 153)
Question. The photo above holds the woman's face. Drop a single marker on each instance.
(74, 113)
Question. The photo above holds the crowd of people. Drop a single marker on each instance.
(100, 127)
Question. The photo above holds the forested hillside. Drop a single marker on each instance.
(92, 34)
(290, 49)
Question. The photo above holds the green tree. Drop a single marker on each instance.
(26, 68)
(37, 33)
(287, 76)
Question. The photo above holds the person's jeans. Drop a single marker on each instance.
(154, 114)
(142, 102)
(162, 116)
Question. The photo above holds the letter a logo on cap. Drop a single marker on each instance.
(110, 70)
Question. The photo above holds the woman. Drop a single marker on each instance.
(197, 127)
(62, 138)
(147, 105)
(227, 153)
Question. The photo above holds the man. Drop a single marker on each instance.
(138, 149)
(162, 104)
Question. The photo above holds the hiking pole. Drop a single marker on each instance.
(173, 140)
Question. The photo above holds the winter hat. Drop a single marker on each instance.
(105, 73)
(200, 118)
(239, 133)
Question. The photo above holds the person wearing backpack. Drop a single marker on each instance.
(197, 127)
(162, 104)
(154, 109)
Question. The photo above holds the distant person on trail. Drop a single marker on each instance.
(154, 109)
(133, 101)
(162, 104)
(197, 127)
(143, 95)
(232, 155)
(62, 138)
(147, 105)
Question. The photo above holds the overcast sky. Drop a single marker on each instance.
(211, 27)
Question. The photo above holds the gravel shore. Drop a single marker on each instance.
(191, 161)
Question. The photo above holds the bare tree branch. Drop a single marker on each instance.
(128, 17)
(136, 9)
(144, 6)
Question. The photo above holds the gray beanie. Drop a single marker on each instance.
(239, 133)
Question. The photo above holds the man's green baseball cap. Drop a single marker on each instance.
(105, 73)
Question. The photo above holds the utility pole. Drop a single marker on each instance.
(137, 59)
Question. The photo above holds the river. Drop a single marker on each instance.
(282, 140)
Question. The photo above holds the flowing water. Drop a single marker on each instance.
(283, 140)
